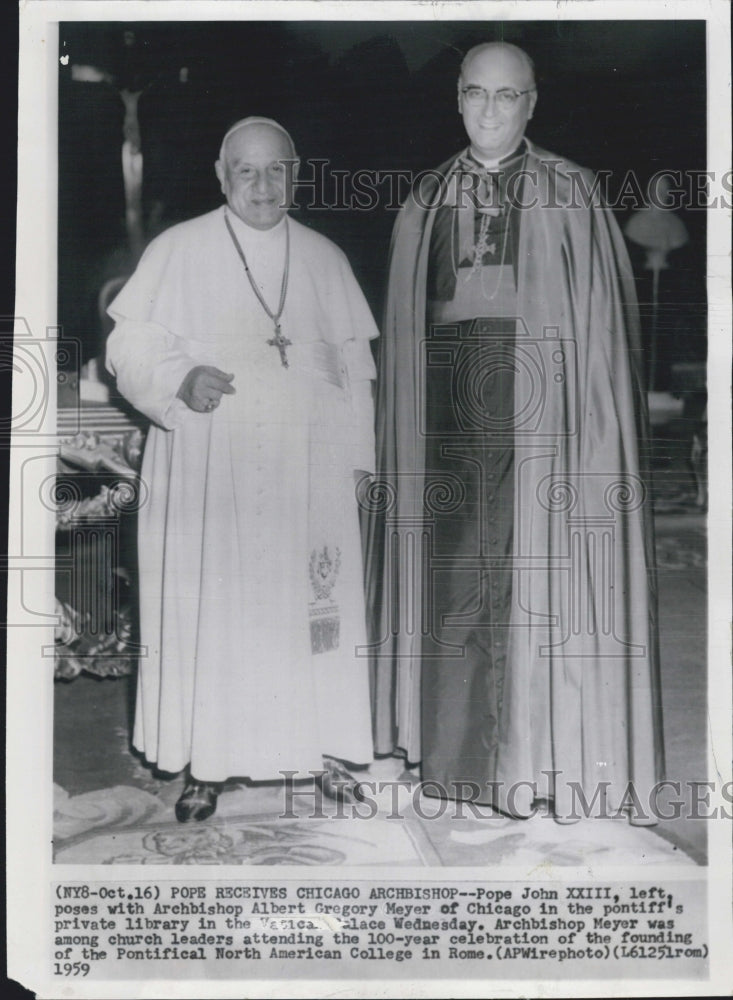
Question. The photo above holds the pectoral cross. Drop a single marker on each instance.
(280, 343)
(278, 340)
(482, 245)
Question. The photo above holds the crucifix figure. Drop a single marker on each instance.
(278, 340)
(280, 343)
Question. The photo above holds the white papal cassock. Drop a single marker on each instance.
(250, 560)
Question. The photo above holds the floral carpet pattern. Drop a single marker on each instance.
(130, 819)
(126, 825)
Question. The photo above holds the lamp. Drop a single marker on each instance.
(659, 231)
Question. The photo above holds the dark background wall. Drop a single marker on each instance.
(618, 96)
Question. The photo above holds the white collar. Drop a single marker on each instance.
(494, 164)
(251, 235)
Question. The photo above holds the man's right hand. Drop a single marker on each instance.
(203, 387)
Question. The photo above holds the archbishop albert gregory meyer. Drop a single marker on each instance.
(512, 573)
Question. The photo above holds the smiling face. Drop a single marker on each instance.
(495, 132)
(257, 174)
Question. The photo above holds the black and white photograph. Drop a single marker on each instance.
(366, 533)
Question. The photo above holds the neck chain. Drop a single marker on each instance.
(480, 247)
(278, 340)
(482, 243)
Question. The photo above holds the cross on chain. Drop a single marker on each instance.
(482, 245)
(278, 340)
(280, 343)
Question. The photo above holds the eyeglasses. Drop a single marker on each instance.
(505, 98)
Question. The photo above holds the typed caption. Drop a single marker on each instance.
(201, 929)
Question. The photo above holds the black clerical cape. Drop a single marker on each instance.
(511, 569)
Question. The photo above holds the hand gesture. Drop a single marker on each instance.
(203, 387)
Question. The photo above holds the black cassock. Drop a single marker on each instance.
(469, 430)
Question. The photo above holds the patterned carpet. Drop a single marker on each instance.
(128, 825)
(110, 809)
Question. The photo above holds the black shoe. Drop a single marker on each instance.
(198, 801)
(339, 784)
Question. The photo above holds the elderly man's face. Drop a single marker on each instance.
(257, 175)
(494, 132)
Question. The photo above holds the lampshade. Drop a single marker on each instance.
(657, 230)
